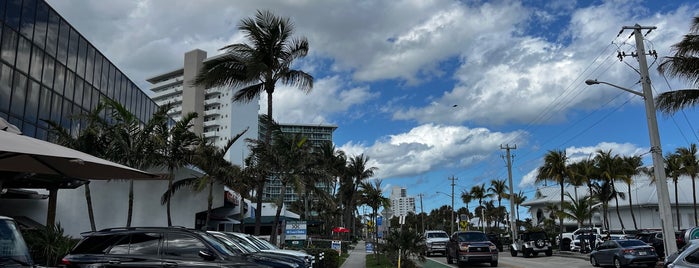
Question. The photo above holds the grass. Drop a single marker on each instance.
(382, 262)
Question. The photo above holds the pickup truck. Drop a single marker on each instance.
(567, 238)
(436, 242)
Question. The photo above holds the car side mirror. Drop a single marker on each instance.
(207, 255)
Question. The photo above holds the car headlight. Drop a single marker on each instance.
(493, 247)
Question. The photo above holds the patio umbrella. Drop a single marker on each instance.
(26, 162)
(340, 230)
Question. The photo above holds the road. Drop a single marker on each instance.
(505, 260)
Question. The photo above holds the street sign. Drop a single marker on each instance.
(463, 217)
(463, 225)
(337, 246)
(369, 248)
(379, 219)
(295, 230)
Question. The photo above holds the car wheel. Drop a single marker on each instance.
(617, 263)
(549, 252)
(593, 261)
(494, 264)
(513, 252)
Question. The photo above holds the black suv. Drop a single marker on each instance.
(152, 247)
(653, 238)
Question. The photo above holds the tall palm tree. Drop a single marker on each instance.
(357, 171)
(555, 169)
(89, 140)
(479, 192)
(466, 197)
(673, 169)
(604, 192)
(372, 196)
(690, 167)
(519, 198)
(610, 167)
(630, 167)
(176, 144)
(499, 190)
(577, 209)
(258, 66)
(584, 172)
(683, 64)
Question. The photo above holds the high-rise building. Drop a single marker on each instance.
(401, 203)
(220, 118)
(316, 134)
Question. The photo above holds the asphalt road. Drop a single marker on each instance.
(506, 260)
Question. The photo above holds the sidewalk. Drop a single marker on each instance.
(357, 257)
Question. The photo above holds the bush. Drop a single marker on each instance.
(48, 245)
(330, 257)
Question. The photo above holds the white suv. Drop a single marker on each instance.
(436, 242)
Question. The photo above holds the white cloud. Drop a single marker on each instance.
(429, 147)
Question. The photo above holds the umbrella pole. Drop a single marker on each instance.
(51, 214)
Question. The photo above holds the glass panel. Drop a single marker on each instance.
(112, 79)
(82, 54)
(28, 15)
(78, 95)
(74, 123)
(42, 17)
(2, 16)
(19, 93)
(52, 33)
(183, 246)
(14, 9)
(5, 87)
(41, 134)
(73, 49)
(47, 77)
(9, 45)
(87, 96)
(45, 105)
(98, 71)
(145, 244)
(63, 35)
(37, 63)
(59, 80)
(105, 75)
(70, 85)
(32, 109)
(28, 129)
(65, 115)
(95, 98)
(89, 64)
(24, 50)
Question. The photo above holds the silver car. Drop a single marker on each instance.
(687, 256)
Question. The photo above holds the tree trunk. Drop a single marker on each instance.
(621, 222)
(90, 211)
(560, 219)
(209, 204)
(130, 210)
(275, 223)
(241, 215)
(677, 207)
(589, 189)
(169, 188)
(633, 216)
(258, 207)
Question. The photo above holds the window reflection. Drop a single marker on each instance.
(42, 17)
(184, 246)
(14, 9)
(27, 21)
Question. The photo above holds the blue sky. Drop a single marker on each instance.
(431, 89)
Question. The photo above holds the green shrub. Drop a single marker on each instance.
(330, 257)
(48, 245)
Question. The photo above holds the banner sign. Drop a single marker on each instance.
(295, 230)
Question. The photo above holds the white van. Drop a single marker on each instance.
(13, 249)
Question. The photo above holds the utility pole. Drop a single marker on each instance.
(422, 212)
(656, 149)
(452, 179)
(513, 222)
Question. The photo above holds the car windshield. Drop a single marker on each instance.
(631, 243)
(537, 236)
(472, 237)
(262, 244)
(13, 248)
(437, 235)
(244, 243)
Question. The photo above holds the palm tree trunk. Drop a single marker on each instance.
(633, 216)
(560, 219)
(694, 196)
(169, 188)
(241, 215)
(90, 211)
(677, 207)
(621, 222)
(258, 206)
(130, 210)
(209, 204)
(280, 204)
(589, 189)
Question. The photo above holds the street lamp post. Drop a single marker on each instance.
(656, 150)
(451, 226)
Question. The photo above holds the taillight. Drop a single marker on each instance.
(629, 251)
(65, 262)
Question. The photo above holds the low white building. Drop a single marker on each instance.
(643, 196)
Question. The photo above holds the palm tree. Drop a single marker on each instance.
(357, 171)
(630, 167)
(466, 197)
(683, 64)
(610, 167)
(604, 192)
(673, 169)
(577, 209)
(498, 189)
(89, 140)
(555, 169)
(176, 144)
(690, 167)
(257, 67)
(479, 192)
(583, 172)
(372, 196)
(519, 198)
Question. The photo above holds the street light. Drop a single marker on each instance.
(658, 162)
(451, 226)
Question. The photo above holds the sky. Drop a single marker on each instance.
(430, 89)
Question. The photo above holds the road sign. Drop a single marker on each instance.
(295, 230)
(463, 217)
(463, 225)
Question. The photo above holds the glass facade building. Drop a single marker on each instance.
(48, 70)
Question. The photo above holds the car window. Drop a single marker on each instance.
(537, 236)
(693, 257)
(631, 243)
(137, 244)
(99, 244)
(245, 243)
(183, 245)
(437, 235)
(472, 237)
(12, 245)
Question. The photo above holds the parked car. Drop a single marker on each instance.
(471, 247)
(531, 243)
(493, 237)
(590, 240)
(13, 249)
(257, 256)
(623, 252)
(686, 257)
(653, 238)
(152, 247)
(265, 246)
(436, 242)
